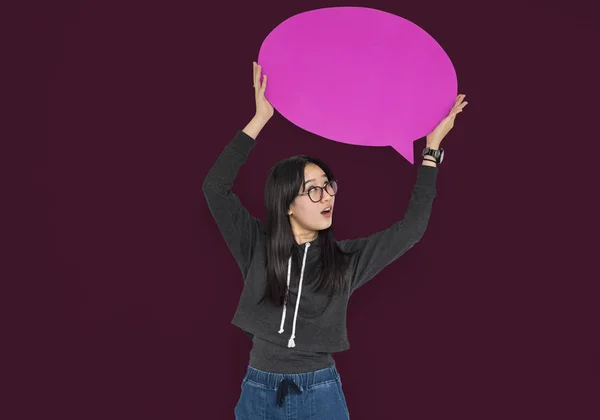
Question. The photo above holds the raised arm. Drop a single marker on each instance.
(378, 250)
(381, 248)
(238, 227)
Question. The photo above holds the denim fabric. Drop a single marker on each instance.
(314, 395)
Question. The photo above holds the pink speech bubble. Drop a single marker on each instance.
(359, 76)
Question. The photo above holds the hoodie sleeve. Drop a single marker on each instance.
(376, 251)
(238, 227)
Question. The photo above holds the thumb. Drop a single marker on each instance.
(263, 86)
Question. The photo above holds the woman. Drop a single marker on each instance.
(297, 277)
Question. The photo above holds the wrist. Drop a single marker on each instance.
(260, 121)
(255, 126)
(433, 153)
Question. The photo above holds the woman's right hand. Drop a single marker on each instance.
(264, 110)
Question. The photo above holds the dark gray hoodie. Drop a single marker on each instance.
(312, 322)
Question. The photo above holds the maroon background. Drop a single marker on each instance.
(118, 110)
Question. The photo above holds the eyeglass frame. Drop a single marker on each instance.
(318, 187)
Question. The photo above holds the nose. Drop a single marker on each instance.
(326, 198)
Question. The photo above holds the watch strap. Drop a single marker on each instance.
(435, 153)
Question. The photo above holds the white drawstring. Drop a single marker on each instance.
(286, 295)
(291, 342)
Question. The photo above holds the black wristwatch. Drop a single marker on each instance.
(438, 154)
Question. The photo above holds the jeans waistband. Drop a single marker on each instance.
(303, 380)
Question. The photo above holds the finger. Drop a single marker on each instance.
(254, 73)
(453, 114)
(458, 107)
(257, 76)
(260, 92)
(264, 83)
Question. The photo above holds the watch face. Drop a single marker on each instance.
(438, 154)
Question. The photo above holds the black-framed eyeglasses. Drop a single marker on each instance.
(316, 193)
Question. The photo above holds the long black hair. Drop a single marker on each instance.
(284, 181)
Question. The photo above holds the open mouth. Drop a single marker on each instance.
(327, 212)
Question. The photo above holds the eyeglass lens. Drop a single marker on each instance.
(316, 194)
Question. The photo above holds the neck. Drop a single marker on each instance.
(307, 236)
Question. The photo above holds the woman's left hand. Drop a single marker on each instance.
(434, 139)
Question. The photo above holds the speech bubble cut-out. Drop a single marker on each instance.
(359, 76)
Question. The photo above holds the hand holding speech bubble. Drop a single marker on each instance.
(359, 76)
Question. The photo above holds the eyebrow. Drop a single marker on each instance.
(311, 180)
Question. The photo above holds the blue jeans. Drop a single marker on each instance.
(314, 395)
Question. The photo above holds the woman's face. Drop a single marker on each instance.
(305, 215)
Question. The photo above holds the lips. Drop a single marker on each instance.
(327, 210)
